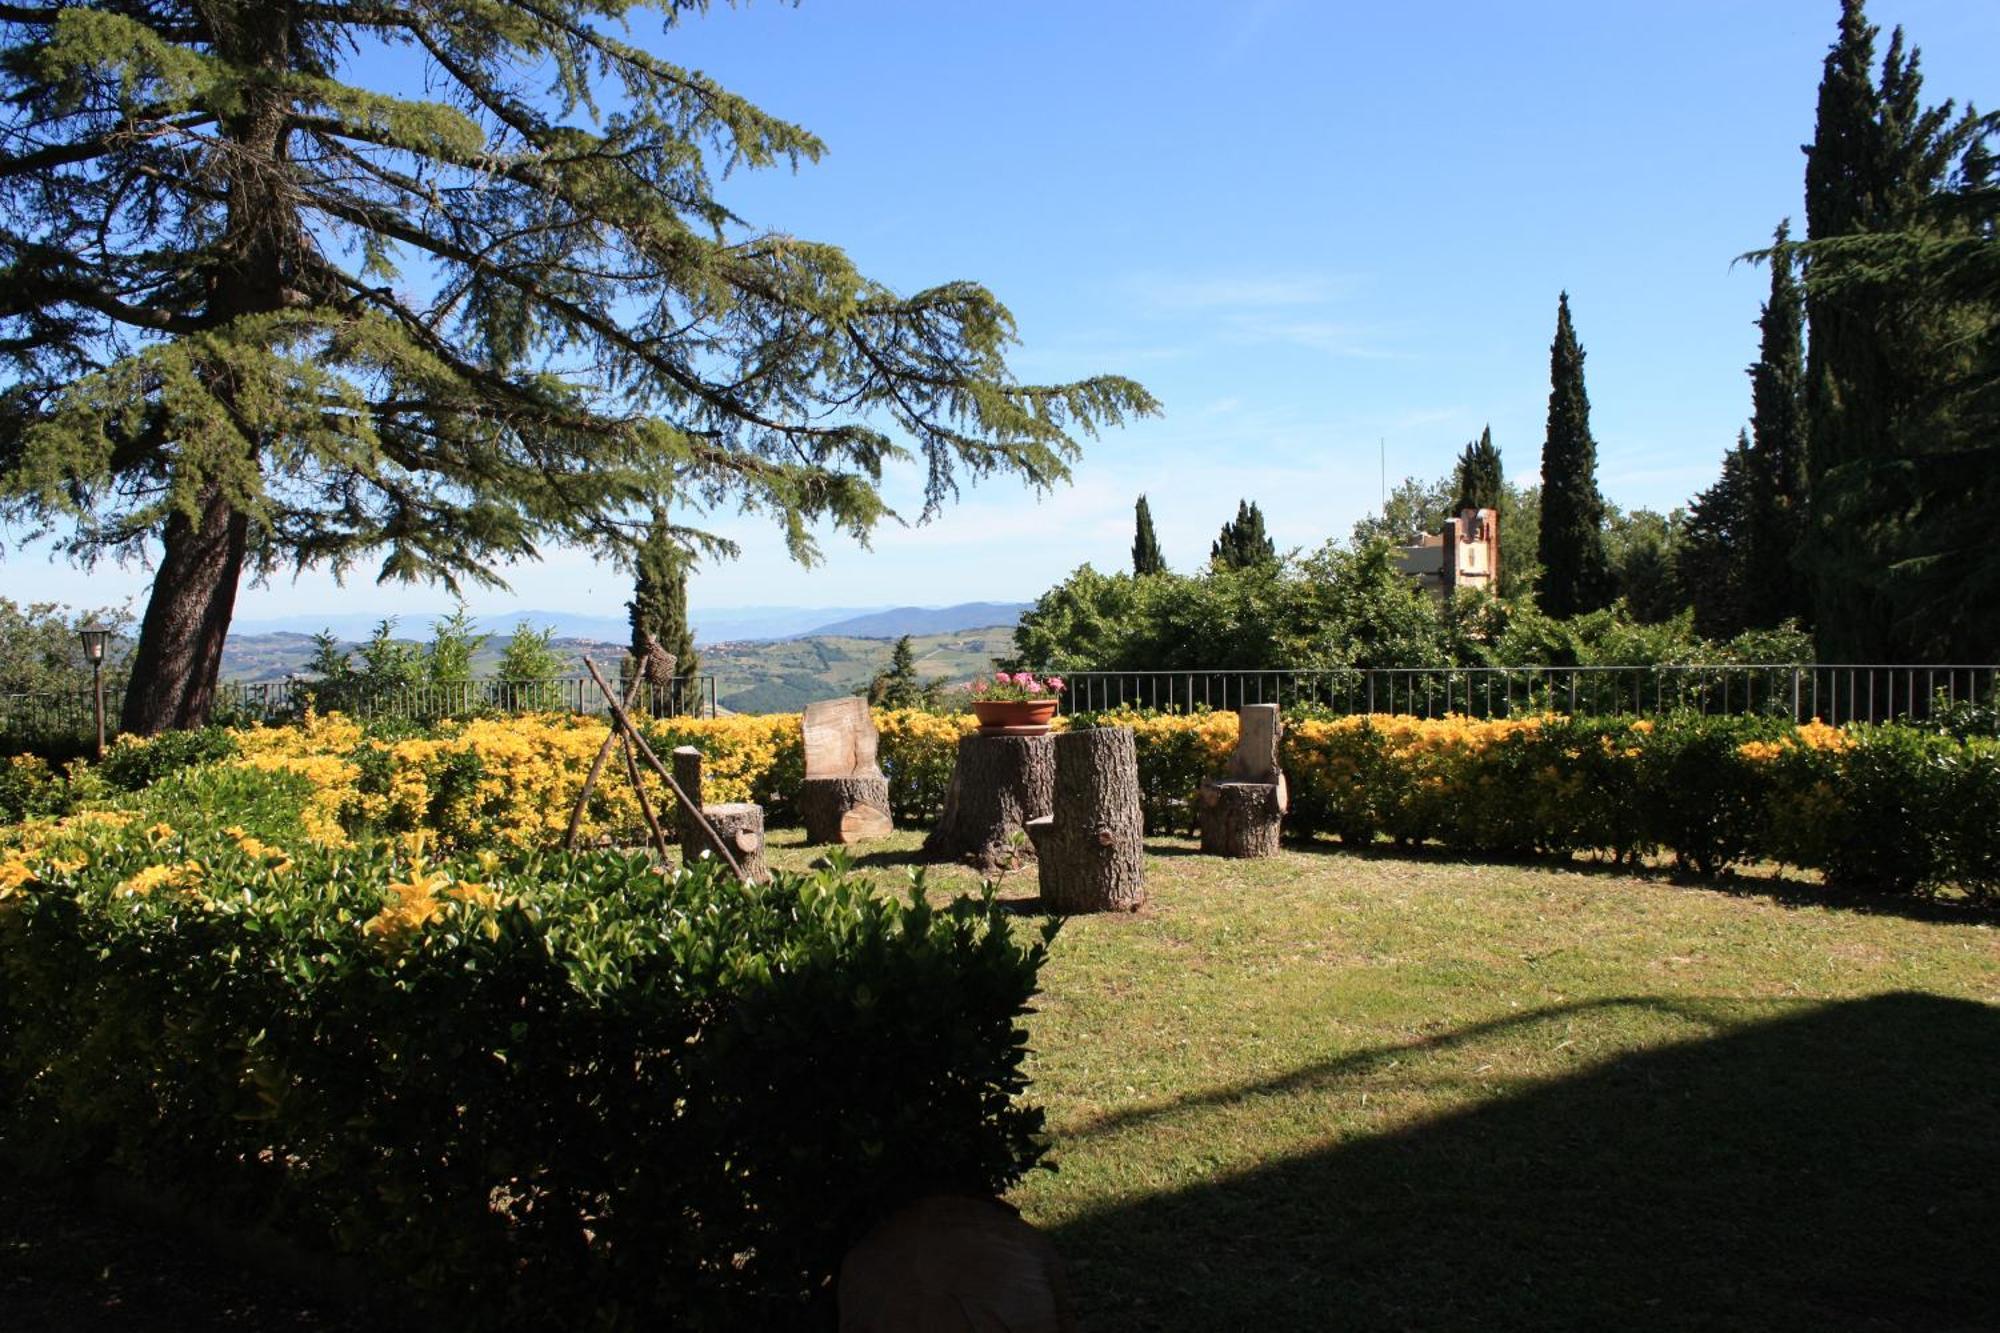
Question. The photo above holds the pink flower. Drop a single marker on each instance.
(1055, 684)
(1024, 678)
(979, 687)
(1002, 678)
(1033, 687)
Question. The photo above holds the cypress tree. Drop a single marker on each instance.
(268, 300)
(1146, 557)
(1242, 543)
(1776, 461)
(1479, 480)
(1875, 352)
(659, 599)
(1576, 574)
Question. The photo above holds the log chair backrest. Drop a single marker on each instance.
(687, 772)
(1257, 733)
(840, 738)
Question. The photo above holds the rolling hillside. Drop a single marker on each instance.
(757, 676)
(785, 676)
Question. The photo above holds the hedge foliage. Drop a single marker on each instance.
(1874, 808)
(539, 1090)
(1890, 807)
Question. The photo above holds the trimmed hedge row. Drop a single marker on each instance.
(1883, 808)
(556, 1092)
(1879, 809)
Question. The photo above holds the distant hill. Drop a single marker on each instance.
(714, 625)
(893, 624)
(751, 676)
(785, 676)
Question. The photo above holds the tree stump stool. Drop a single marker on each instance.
(1091, 850)
(737, 825)
(1241, 815)
(845, 797)
(998, 784)
(950, 1264)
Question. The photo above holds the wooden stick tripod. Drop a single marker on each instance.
(635, 747)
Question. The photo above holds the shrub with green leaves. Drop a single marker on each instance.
(561, 1092)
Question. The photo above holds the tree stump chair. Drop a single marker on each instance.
(845, 798)
(1240, 815)
(998, 784)
(1091, 851)
(739, 824)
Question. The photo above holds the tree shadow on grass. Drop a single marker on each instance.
(1834, 1169)
(1787, 888)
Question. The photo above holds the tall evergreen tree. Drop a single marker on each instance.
(1146, 557)
(897, 685)
(1479, 478)
(1776, 463)
(1576, 575)
(1716, 577)
(1875, 354)
(264, 308)
(1242, 543)
(659, 602)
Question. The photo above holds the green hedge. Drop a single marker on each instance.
(568, 1093)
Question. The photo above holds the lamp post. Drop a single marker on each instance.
(94, 637)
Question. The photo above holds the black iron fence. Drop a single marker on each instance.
(69, 715)
(1833, 694)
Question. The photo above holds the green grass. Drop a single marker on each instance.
(1344, 1090)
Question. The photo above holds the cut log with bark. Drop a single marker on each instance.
(998, 785)
(736, 827)
(1242, 815)
(845, 797)
(1091, 850)
(1240, 819)
(845, 810)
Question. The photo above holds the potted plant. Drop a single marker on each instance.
(1015, 703)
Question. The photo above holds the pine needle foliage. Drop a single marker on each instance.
(1776, 462)
(1243, 543)
(1146, 557)
(658, 610)
(1479, 479)
(264, 306)
(1576, 575)
(1884, 361)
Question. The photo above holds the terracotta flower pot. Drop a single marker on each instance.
(1014, 717)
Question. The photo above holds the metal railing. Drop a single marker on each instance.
(1834, 694)
(69, 714)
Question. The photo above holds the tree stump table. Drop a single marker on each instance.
(738, 825)
(1090, 852)
(998, 784)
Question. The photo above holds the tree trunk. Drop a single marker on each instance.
(998, 784)
(1092, 849)
(179, 656)
(845, 810)
(740, 826)
(1240, 818)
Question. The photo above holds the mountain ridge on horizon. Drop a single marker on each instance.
(742, 624)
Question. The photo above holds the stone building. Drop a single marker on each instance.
(1466, 554)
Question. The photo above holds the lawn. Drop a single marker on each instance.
(1386, 1091)
(1334, 1089)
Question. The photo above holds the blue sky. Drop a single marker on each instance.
(1312, 229)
